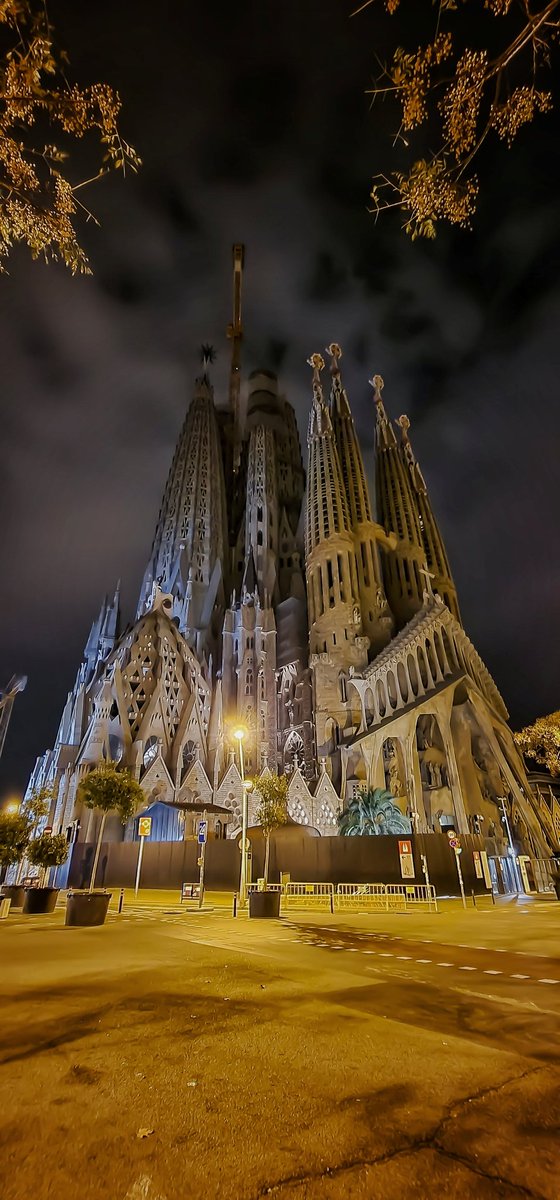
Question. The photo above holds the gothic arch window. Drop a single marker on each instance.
(439, 650)
(422, 667)
(343, 688)
(412, 674)
(150, 751)
(381, 701)
(391, 689)
(402, 681)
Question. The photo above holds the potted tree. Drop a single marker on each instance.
(272, 812)
(109, 788)
(47, 850)
(15, 832)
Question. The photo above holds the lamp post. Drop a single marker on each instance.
(239, 735)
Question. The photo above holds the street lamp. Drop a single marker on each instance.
(12, 808)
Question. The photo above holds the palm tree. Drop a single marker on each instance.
(372, 811)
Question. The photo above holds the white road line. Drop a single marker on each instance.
(352, 950)
(492, 972)
(369, 951)
(444, 964)
(467, 968)
(520, 976)
(385, 954)
(548, 981)
(423, 960)
(404, 957)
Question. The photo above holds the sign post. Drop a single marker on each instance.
(202, 838)
(144, 829)
(406, 860)
(458, 850)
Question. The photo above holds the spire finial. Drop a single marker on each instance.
(317, 362)
(404, 423)
(207, 356)
(335, 352)
(377, 384)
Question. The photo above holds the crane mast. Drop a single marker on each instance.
(235, 335)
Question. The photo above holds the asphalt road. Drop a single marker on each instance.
(176, 1056)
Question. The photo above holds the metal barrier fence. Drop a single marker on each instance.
(356, 897)
(308, 895)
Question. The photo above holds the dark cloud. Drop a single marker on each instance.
(253, 125)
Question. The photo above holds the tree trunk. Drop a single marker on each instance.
(266, 858)
(97, 852)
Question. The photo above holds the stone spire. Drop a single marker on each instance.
(190, 544)
(336, 642)
(376, 618)
(437, 561)
(403, 507)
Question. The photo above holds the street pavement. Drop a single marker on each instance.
(176, 1054)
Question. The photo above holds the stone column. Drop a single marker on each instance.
(454, 777)
(413, 782)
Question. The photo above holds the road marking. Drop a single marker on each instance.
(467, 968)
(385, 954)
(520, 976)
(549, 980)
(444, 964)
(403, 957)
(352, 950)
(492, 972)
(369, 951)
(423, 960)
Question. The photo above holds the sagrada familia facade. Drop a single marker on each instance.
(282, 601)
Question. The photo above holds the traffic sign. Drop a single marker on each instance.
(454, 843)
(247, 845)
(144, 826)
(47, 829)
(202, 832)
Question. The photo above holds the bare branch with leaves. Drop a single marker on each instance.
(41, 114)
(457, 95)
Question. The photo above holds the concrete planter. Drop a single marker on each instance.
(264, 905)
(40, 900)
(14, 892)
(87, 908)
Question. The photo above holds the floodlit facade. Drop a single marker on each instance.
(330, 633)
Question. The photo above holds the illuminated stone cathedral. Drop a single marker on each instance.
(284, 603)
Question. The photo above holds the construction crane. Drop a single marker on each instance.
(235, 335)
(7, 696)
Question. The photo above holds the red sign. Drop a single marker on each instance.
(405, 847)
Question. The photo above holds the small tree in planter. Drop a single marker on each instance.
(34, 809)
(110, 788)
(47, 850)
(272, 811)
(15, 832)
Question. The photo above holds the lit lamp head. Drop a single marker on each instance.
(239, 734)
(248, 785)
(12, 807)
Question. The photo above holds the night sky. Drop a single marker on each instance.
(253, 126)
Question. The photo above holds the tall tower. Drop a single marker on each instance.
(404, 508)
(436, 556)
(336, 640)
(377, 622)
(189, 548)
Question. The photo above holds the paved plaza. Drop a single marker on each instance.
(178, 1055)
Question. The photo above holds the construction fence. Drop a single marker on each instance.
(353, 897)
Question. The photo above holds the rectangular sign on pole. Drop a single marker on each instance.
(144, 826)
(406, 860)
(202, 832)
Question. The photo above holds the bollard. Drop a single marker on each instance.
(332, 902)
(473, 899)
(121, 901)
(234, 904)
